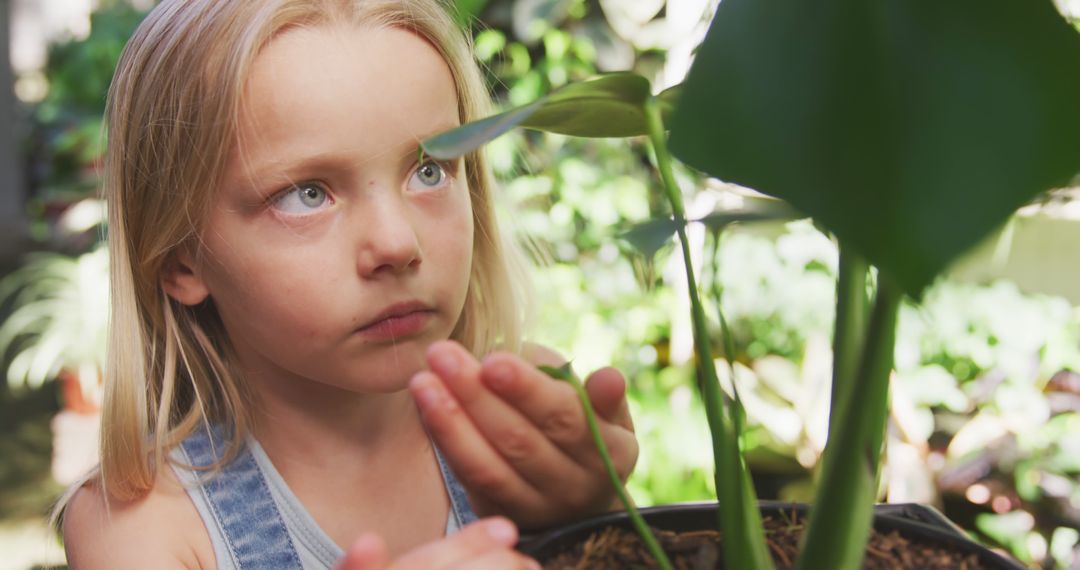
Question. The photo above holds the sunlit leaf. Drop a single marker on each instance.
(910, 129)
(608, 105)
(471, 136)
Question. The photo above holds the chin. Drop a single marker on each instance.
(391, 372)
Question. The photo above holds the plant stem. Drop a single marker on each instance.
(727, 341)
(740, 520)
(842, 515)
(643, 530)
(849, 330)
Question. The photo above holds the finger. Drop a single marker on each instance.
(485, 473)
(530, 449)
(607, 392)
(555, 409)
(552, 406)
(367, 553)
(501, 560)
(476, 540)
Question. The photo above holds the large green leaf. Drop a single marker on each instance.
(609, 105)
(909, 128)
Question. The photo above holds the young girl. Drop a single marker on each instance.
(299, 301)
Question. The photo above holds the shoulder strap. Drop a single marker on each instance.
(242, 505)
(459, 499)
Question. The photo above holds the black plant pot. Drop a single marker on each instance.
(915, 522)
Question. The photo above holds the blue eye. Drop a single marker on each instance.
(302, 199)
(430, 174)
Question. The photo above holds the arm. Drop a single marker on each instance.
(518, 439)
(157, 530)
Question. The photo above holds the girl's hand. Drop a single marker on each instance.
(483, 545)
(518, 440)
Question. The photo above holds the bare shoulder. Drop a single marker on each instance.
(159, 530)
(541, 355)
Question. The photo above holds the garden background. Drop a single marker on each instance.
(986, 396)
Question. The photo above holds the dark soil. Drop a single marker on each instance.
(618, 549)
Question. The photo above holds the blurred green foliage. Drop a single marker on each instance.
(984, 368)
(602, 304)
(66, 138)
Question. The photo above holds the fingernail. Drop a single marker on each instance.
(445, 362)
(533, 565)
(502, 531)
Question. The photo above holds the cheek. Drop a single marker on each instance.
(271, 292)
(464, 227)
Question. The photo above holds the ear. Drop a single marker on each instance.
(182, 280)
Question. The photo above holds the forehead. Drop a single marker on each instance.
(344, 87)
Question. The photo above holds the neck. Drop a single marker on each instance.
(357, 462)
(316, 424)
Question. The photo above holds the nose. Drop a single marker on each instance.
(389, 243)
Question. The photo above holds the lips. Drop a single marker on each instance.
(397, 321)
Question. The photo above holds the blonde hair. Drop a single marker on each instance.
(172, 119)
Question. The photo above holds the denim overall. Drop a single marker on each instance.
(244, 510)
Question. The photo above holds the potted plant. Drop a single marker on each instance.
(56, 329)
(909, 130)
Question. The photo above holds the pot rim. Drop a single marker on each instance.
(912, 520)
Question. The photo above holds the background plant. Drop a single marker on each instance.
(873, 120)
(855, 128)
(602, 304)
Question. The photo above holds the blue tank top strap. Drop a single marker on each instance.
(242, 505)
(459, 499)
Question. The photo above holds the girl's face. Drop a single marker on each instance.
(335, 253)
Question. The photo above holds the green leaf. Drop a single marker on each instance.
(752, 210)
(667, 99)
(910, 129)
(564, 372)
(609, 105)
(650, 236)
(457, 142)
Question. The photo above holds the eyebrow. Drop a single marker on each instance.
(260, 172)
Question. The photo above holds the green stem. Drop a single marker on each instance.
(727, 341)
(643, 530)
(849, 331)
(740, 520)
(842, 516)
